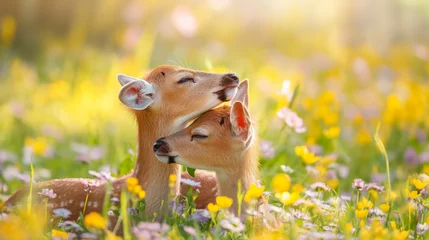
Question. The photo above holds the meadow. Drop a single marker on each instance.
(342, 128)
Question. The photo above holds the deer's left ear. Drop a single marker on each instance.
(240, 121)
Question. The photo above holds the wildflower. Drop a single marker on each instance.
(136, 189)
(361, 213)
(38, 145)
(281, 183)
(213, 208)
(310, 158)
(89, 183)
(190, 230)
(319, 186)
(141, 194)
(233, 224)
(70, 226)
(333, 183)
(150, 230)
(86, 153)
(366, 203)
(385, 207)
(411, 156)
(332, 132)
(112, 236)
(419, 184)
(177, 207)
(56, 234)
(201, 215)
(374, 186)
(301, 150)
(292, 119)
(400, 235)
(359, 184)
(223, 201)
(286, 169)
(298, 188)
(190, 182)
(131, 183)
(254, 191)
(103, 176)
(413, 194)
(363, 137)
(288, 198)
(422, 228)
(49, 193)
(172, 178)
(267, 149)
(94, 220)
(62, 213)
(349, 228)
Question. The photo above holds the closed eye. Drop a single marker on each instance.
(198, 136)
(185, 80)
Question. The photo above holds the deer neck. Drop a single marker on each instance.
(243, 172)
(151, 173)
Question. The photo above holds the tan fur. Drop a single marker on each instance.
(231, 159)
(174, 105)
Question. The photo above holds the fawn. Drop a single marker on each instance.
(220, 140)
(163, 103)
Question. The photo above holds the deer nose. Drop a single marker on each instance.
(230, 79)
(161, 146)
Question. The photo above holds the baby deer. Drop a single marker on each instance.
(163, 103)
(219, 140)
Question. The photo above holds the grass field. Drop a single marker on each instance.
(357, 165)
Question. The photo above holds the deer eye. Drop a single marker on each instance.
(198, 136)
(185, 80)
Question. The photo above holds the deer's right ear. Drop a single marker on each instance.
(242, 94)
(137, 94)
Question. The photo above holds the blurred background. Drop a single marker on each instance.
(343, 66)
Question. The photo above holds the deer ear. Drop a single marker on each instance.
(136, 93)
(242, 94)
(240, 121)
(124, 79)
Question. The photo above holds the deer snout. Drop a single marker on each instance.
(230, 79)
(161, 147)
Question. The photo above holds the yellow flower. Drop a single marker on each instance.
(400, 235)
(137, 189)
(332, 132)
(363, 137)
(112, 236)
(419, 184)
(331, 118)
(213, 208)
(361, 213)
(367, 203)
(288, 198)
(393, 224)
(281, 183)
(39, 145)
(59, 234)
(349, 227)
(94, 220)
(141, 194)
(223, 201)
(413, 194)
(310, 158)
(298, 188)
(253, 192)
(172, 178)
(333, 183)
(301, 150)
(131, 183)
(385, 207)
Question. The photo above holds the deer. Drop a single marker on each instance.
(163, 102)
(220, 140)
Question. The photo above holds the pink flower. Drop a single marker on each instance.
(267, 149)
(292, 120)
(49, 193)
(184, 21)
(89, 183)
(359, 184)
